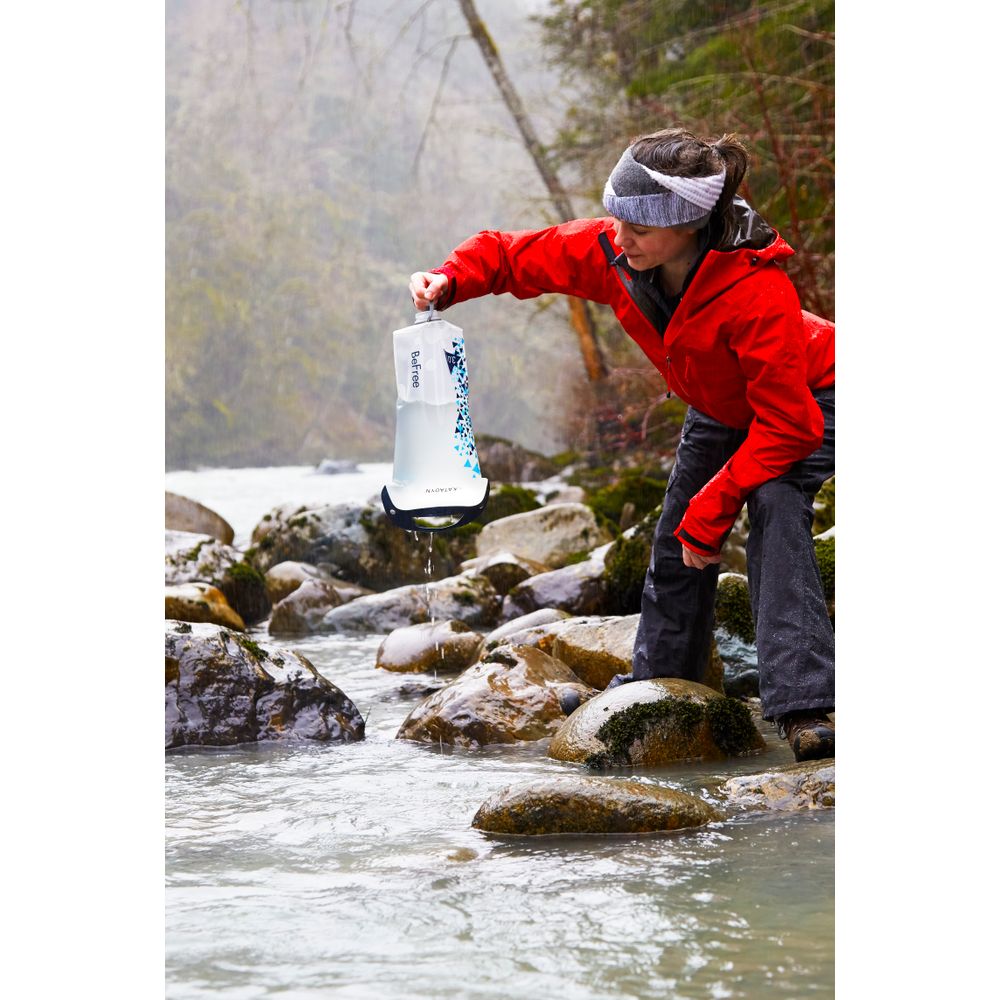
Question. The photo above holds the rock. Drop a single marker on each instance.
(544, 616)
(590, 805)
(505, 462)
(336, 466)
(654, 722)
(223, 688)
(550, 535)
(626, 563)
(554, 490)
(503, 569)
(285, 577)
(192, 558)
(809, 785)
(509, 696)
(506, 499)
(183, 514)
(467, 598)
(732, 607)
(303, 610)
(201, 602)
(538, 635)
(596, 649)
(430, 646)
(741, 676)
(358, 542)
(579, 589)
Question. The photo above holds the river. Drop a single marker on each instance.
(353, 871)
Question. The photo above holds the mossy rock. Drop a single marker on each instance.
(575, 805)
(826, 556)
(506, 500)
(732, 607)
(643, 492)
(825, 507)
(626, 563)
(654, 722)
(245, 589)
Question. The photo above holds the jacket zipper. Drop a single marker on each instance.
(667, 377)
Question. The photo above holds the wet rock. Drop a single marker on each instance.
(503, 569)
(597, 649)
(741, 676)
(551, 535)
(223, 688)
(358, 542)
(626, 563)
(192, 558)
(579, 589)
(466, 598)
(509, 696)
(654, 722)
(184, 514)
(303, 610)
(446, 646)
(505, 462)
(809, 785)
(538, 635)
(201, 602)
(516, 626)
(285, 577)
(590, 805)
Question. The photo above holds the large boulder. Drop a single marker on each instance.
(356, 542)
(223, 688)
(596, 649)
(508, 696)
(192, 558)
(505, 462)
(446, 646)
(285, 577)
(184, 514)
(201, 602)
(575, 804)
(579, 589)
(467, 598)
(654, 722)
(808, 785)
(552, 535)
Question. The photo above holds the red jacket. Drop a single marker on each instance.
(738, 347)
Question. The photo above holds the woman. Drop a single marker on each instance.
(691, 272)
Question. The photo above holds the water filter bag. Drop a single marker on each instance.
(435, 469)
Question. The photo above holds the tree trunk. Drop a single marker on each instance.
(580, 317)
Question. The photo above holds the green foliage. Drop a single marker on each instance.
(762, 69)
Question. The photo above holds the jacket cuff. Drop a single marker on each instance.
(687, 539)
(449, 293)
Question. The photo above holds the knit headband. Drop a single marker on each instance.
(645, 197)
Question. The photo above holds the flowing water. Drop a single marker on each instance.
(352, 870)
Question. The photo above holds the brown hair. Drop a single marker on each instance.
(681, 153)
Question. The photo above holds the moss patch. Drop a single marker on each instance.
(643, 492)
(505, 501)
(826, 556)
(732, 609)
(728, 719)
(626, 564)
(257, 652)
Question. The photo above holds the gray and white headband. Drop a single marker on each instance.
(645, 197)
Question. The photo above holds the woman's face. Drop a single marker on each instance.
(651, 246)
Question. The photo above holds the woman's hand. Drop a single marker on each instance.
(426, 288)
(696, 561)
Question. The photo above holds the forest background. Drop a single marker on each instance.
(319, 151)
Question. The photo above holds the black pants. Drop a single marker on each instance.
(795, 645)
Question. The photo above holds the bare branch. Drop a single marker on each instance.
(437, 96)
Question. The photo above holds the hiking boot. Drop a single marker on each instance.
(809, 733)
